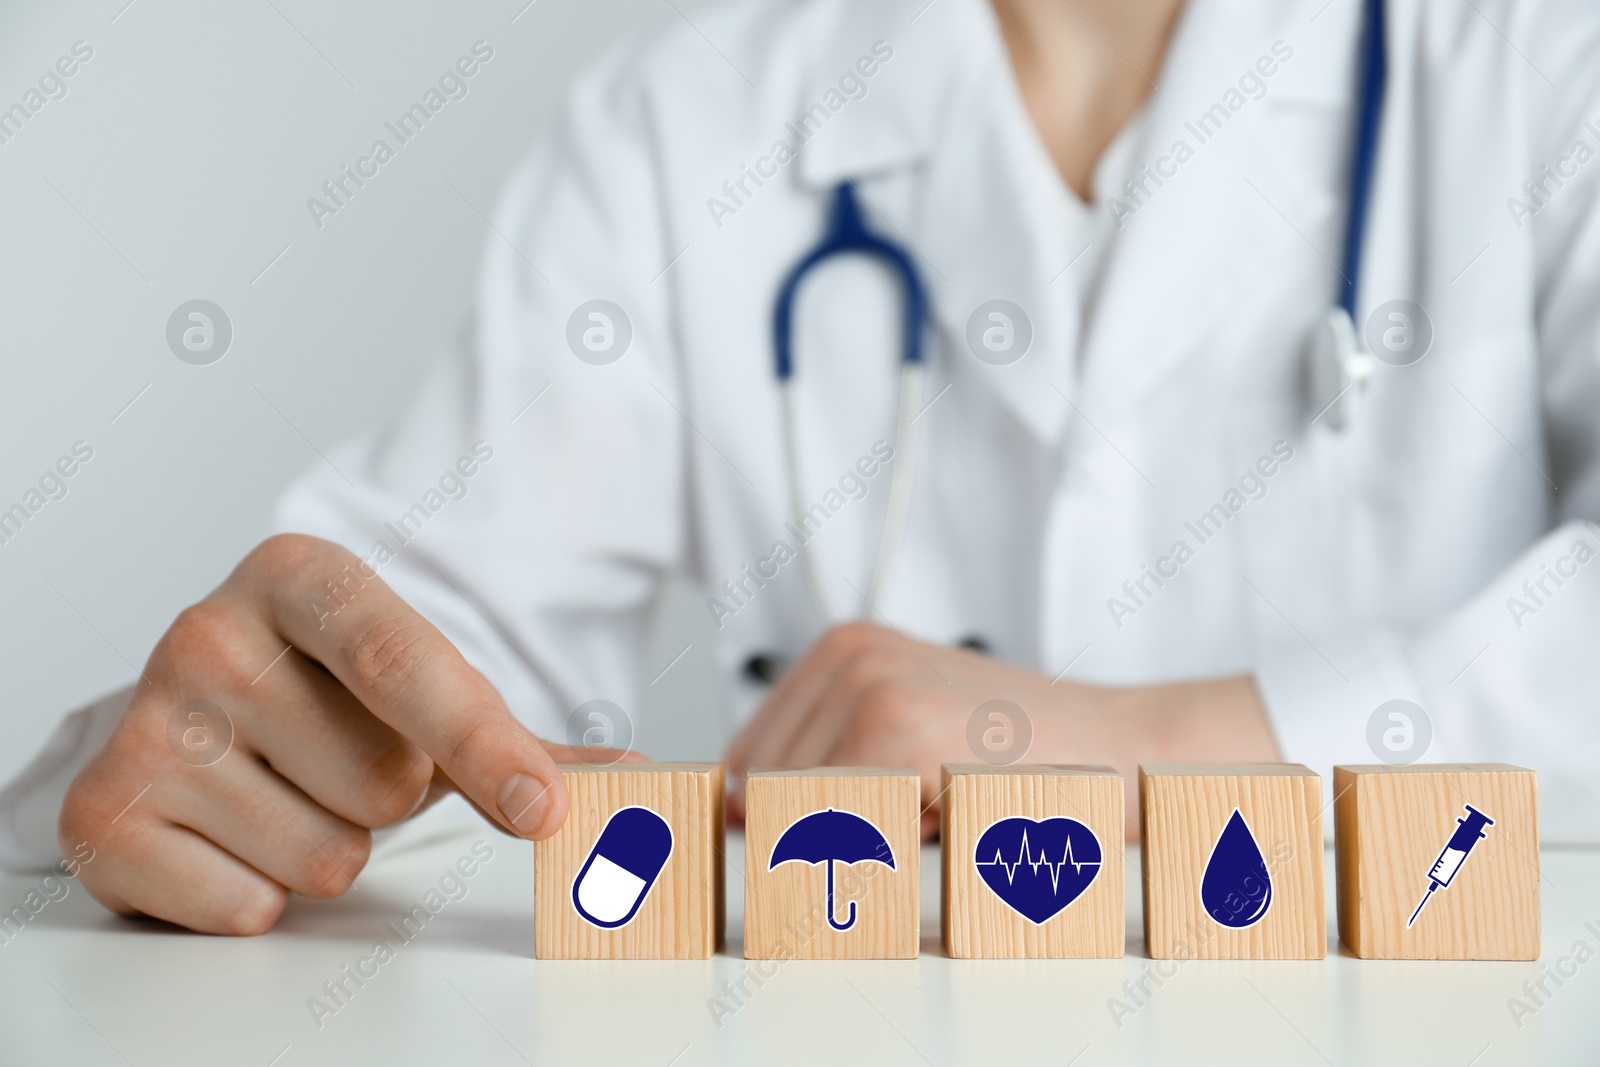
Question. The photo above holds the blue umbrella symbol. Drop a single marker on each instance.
(832, 836)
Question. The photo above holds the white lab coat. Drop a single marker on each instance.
(1374, 564)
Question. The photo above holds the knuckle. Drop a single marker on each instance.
(387, 655)
(98, 796)
(888, 707)
(288, 553)
(329, 869)
(869, 672)
(204, 636)
(78, 813)
(393, 783)
(197, 627)
(833, 641)
(256, 911)
(469, 741)
(848, 638)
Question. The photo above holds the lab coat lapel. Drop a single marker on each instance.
(993, 225)
(947, 165)
(1197, 247)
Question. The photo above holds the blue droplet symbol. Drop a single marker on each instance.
(1236, 889)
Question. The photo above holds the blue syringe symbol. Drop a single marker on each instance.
(1469, 831)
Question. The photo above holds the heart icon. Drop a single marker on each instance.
(1037, 867)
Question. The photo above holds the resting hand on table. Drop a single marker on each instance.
(370, 713)
(867, 695)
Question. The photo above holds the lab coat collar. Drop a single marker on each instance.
(938, 47)
(945, 108)
(896, 123)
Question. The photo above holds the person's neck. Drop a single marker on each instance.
(1084, 67)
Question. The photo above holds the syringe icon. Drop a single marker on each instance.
(1469, 831)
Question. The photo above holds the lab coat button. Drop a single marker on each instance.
(763, 668)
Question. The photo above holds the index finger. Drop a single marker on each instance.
(335, 609)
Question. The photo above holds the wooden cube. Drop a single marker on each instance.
(1032, 863)
(1232, 861)
(636, 870)
(1459, 841)
(832, 863)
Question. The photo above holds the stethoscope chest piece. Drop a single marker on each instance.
(1340, 367)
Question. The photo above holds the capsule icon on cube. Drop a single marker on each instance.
(621, 868)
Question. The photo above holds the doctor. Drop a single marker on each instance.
(1135, 514)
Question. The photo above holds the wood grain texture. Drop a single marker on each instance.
(1390, 824)
(977, 923)
(682, 916)
(785, 908)
(1183, 809)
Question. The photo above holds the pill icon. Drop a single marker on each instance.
(624, 863)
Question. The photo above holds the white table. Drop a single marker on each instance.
(79, 986)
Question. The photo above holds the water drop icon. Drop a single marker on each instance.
(1236, 890)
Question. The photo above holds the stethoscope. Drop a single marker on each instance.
(1341, 362)
(847, 234)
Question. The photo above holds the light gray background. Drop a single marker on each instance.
(177, 167)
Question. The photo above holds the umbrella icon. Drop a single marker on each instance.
(832, 836)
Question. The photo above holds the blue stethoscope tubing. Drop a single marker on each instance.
(1364, 157)
(847, 234)
(1342, 364)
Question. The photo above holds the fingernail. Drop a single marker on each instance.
(523, 802)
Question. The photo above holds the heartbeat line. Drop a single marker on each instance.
(1025, 856)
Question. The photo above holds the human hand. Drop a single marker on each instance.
(342, 721)
(869, 695)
